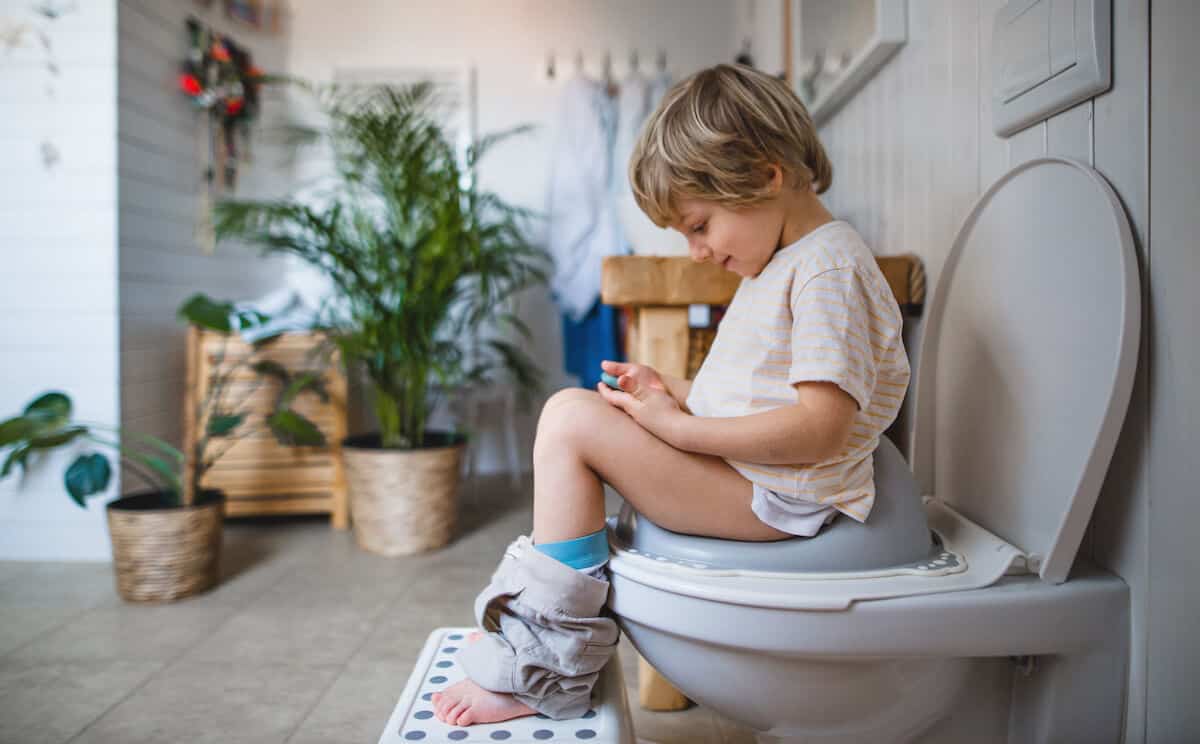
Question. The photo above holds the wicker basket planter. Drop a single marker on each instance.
(403, 501)
(162, 553)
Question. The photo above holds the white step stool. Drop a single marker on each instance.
(437, 668)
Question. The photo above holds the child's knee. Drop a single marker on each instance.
(567, 420)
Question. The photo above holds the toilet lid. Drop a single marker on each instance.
(1028, 359)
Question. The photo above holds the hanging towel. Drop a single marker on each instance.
(581, 225)
(589, 341)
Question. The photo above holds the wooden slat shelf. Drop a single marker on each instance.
(259, 475)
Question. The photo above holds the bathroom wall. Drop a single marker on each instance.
(1174, 510)
(58, 253)
(508, 44)
(162, 260)
(914, 149)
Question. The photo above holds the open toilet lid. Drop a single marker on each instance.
(1028, 359)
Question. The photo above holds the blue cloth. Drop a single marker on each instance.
(582, 552)
(590, 341)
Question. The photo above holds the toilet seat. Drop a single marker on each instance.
(1037, 309)
(971, 558)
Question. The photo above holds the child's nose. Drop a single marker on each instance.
(699, 253)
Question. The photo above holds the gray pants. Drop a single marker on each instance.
(547, 633)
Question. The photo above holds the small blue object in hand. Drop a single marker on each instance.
(609, 380)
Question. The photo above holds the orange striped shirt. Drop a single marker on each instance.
(820, 310)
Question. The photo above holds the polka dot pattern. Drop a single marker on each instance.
(414, 719)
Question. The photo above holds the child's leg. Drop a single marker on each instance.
(581, 443)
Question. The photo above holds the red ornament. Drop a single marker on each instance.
(219, 52)
(189, 84)
(234, 105)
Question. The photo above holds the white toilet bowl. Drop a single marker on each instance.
(1024, 378)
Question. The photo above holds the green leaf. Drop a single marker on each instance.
(50, 411)
(15, 429)
(251, 318)
(89, 474)
(222, 423)
(57, 439)
(301, 382)
(53, 403)
(203, 311)
(16, 457)
(293, 429)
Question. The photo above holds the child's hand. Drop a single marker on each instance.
(641, 375)
(646, 401)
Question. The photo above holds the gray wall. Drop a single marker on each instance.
(161, 262)
(1174, 469)
(914, 149)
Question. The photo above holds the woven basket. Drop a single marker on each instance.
(402, 501)
(165, 553)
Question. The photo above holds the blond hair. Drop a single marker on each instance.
(713, 137)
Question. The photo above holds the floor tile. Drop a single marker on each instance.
(48, 703)
(201, 702)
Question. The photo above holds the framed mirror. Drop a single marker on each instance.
(837, 45)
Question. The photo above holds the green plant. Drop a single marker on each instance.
(420, 259)
(46, 424)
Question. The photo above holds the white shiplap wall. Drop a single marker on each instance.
(914, 149)
(58, 259)
(161, 261)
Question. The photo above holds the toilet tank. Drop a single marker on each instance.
(1028, 358)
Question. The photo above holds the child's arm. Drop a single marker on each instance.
(678, 388)
(814, 429)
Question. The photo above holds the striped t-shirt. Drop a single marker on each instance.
(820, 310)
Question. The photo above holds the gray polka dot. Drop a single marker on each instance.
(543, 734)
(585, 734)
(427, 696)
(438, 679)
(414, 735)
(455, 637)
(421, 715)
(590, 714)
(444, 664)
(449, 649)
(500, 735)
(457, 735)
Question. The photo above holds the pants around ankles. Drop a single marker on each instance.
(548, 634)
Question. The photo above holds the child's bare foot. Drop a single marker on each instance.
(465, 703)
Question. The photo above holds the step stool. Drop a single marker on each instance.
(437, 668)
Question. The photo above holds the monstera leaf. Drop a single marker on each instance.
(89, 474)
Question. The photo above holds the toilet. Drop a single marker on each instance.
(964, 614)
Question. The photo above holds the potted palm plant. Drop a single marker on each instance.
(166, 539)
(422, 265)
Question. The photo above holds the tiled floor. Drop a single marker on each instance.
(308, 639)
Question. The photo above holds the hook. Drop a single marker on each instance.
(550, 71)
(579, 61)
(633, 61)
(662, 60)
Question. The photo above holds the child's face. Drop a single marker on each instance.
(740, 240)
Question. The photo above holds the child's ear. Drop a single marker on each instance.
(776, 177)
